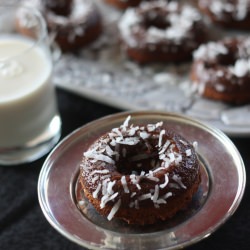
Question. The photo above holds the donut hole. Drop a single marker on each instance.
(226, 60)
(135, 159)
(155, 19)
(223, 60)
(61, 8)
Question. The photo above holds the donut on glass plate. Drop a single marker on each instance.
(160, 31)
(234, 14)
(73, 23)
(221, 70)
(140, 173)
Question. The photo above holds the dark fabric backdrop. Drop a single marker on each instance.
(23, 225)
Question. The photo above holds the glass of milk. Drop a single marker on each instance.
(29, 121)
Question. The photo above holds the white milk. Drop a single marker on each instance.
(27, 102)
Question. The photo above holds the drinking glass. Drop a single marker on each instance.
(30, 124)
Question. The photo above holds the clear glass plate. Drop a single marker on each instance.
(220, 192)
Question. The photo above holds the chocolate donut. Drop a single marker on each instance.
(232, 14)
(140, 173)
(73, 24)
(221, 70)
(158, 31)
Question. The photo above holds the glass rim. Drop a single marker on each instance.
(39, 17)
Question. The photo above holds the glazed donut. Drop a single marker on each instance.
(74, 23)
(233, 14)
(140, 173)
(123, 4)
(221, 70)
(158, 31)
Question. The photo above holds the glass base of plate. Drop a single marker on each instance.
(34, 149)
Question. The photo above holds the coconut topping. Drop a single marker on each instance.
(212, 51)
(76, 20)
(105, 153)
(180, 20)
(238, 9)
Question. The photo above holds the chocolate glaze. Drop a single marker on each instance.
(144, 172)
(173, 41)
(218, 76)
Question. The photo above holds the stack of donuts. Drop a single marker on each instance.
(164, 31)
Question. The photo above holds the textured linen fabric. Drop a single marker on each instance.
(24, 227)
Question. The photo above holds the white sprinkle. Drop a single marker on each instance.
(81, 203)
(134, 179)
(166, 163)
(240, 68)
(156, 193)
(152, 178)
(128, 140)
(144, 135)
(110, 187)
(104, 186)
(109, 151)
(165, 146)
(124, 184)
(179, 181)
(93, 180)
(103, 171)
(132, 130)
(98, 156)
(158, 124)
(183, 142)
(133, 194)
(160, 137)
(106, 198)
(151, 127)
(161, 201)
(195, 145)
(188, 152)
(171, 157)
(167, 195)
(142, 173)
(145, 197)
(165, 182)
(114, 209)
(126, 122)
(95, 193)
(118, 132)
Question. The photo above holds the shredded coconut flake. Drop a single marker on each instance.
(114, 210)
(160, 137)
(179, 181)
(98, 156)
(124, 184)
(188, 152)
(145, 197)
(156, 194)
(95, 193)
(163, 185)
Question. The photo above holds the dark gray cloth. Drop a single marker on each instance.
(24, 227)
